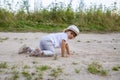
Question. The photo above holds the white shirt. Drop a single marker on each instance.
(57, 38)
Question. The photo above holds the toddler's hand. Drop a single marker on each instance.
(68, 55)
(72, 52)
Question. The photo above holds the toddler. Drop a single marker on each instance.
(50, 42)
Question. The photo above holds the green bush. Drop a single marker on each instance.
(57, 17)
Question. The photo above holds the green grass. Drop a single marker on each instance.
(15, 75)
(26, 67)
(103, 72)
(14, 67)
(77, 71)
(3, 65)
(27, 75)
(116, 68)
(54, 19)
(3, 39)
(42, 68)
(96, 68)
(56, 72)
(55, 57)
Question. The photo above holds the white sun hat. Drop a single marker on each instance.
(73, 28)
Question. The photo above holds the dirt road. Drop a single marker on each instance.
(86, 48)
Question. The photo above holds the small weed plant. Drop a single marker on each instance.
(42, 68)
(27, 75)
(96, 68)
(56, 72)
(3, 65)
(74, 63)
(77, 71)
(116, 68)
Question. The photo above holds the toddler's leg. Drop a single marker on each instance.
(47, 48)
(48, 53)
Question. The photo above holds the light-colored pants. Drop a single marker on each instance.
(47, 46)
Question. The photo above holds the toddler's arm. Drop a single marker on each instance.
(67, 49)
(63, 45)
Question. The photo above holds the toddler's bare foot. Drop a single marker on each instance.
(36, 53)
(24, 49)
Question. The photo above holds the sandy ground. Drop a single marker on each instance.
(86, 48)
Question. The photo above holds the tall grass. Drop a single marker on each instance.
(57, 17)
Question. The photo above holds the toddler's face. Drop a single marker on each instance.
(71, 35)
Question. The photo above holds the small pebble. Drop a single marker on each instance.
(114, 48)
